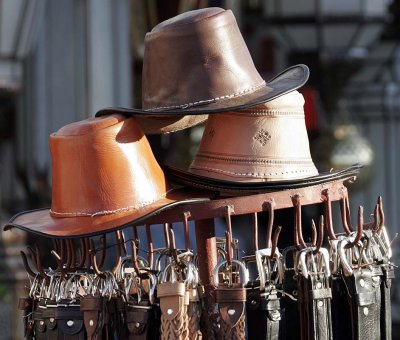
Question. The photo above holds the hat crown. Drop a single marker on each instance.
(101, 166)
(265, 143)
(194, 59)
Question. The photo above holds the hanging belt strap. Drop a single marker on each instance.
(290, 313)
(386, 313)
(49, 316)
(263, 313)
(27, 306)
(194, 314)
(365, 304)
(93, 313)
(142, 321)
(231, 305)
(319, 306)
(173, 304)
(39, 328)
(70, 323)
(341, 309)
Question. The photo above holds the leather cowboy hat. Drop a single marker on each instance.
(264, 147)
(196, 64)
(104, 177)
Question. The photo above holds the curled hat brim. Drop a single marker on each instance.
(234, 187)
(40, 222)
(170, 120)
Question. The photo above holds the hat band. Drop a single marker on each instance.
(206, 101)
(107, 212)
(257, 174)
(261, 161)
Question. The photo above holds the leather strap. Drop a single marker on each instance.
(173, 304)
(209, 315)
(194, 314)
(70, 323)
(263, 314)
(39, 325)
(341, 309)
(365, 302)
(27, 306)
(49, 316)
(386, 313)
(319, 307)
(231, 303)
(93, 313)
(290, 314)
(142, 321)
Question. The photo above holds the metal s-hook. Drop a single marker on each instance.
(345, 214)
(255, 231)
(92, 253)
(271, 207)
(150, 246)
(298, 233)
(228, 234)
(28, 269)
(186, 216)
(134, 258)
(381, 215)
(360, 229)
(328, 215)
(320, 235)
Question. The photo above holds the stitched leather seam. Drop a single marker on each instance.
(256, 161)
(254, 174)
(108, 212)
(205, 101)
(294, 114)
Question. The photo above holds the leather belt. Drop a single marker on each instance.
(315, 306)
(143, 321)
(93, 312)
(231, 304)
(386, 313)
(263, 313)
(365, 301)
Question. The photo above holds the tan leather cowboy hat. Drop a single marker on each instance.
(104, 177)
(196, 64)
(264, 147)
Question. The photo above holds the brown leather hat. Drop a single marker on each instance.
(264, 143)
(197, 63)
(104, 176)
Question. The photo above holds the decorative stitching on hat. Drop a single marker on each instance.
(205, 101)
(254, 174)
(267, 112)
(109, 212)
(262, 161)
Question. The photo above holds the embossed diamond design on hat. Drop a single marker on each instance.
(262, 137)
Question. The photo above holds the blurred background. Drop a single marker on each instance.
(61, 61)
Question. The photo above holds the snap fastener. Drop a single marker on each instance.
(170, 311)
(365, 311)
(70, 323)
(91, 323)
(231, 311)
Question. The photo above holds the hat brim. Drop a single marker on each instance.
(231, 187)
(165, 121)
(41, 223)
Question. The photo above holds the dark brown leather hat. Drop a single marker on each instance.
(104, 177)
(196, 64)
